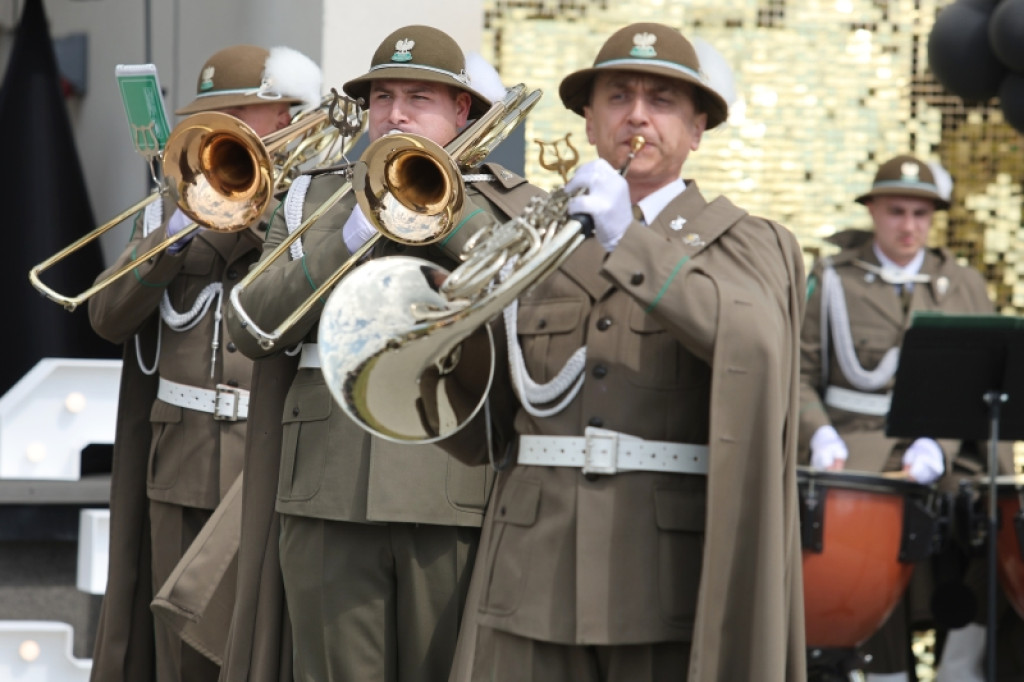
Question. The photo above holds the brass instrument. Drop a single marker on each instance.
(223, 176)
(392, 332)
(409, 188)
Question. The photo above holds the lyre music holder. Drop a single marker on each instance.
(962, 377)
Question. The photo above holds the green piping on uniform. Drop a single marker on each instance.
(664, 287)
(812, 283)
(459, 226)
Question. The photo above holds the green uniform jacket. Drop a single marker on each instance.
(163, 452)
(877, 322)
(371, 480)
(691, 336)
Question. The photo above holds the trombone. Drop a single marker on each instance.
(223, 176)
(408, 187)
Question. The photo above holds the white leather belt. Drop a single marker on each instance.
(602, 451)
(876, 404)
(226, 403)
(310, 356)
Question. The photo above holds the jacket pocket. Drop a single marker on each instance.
(680, 516)
(305, 441)
(166, 450)
(657, 359)
(509, 554)
(549, 332)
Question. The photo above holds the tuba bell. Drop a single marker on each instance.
(392, 334)
(222, 176)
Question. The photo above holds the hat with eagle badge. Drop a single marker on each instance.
(649, 48)
(242, 75)
(419, 53)
(905, 176)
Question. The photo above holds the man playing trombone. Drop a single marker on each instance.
(168, 313)
(377, 539)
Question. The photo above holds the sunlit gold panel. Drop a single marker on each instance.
(825, 92)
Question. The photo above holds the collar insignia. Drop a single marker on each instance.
(677, 223)
(693, 239)
(403, 50)
(206, 80)
(910, 171)
(643, 45)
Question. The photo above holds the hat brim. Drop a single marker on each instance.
(940, 203)
(360, 87)
(575, 89)
(218, 102)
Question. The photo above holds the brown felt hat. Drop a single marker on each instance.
(236, 77)
(419, 53)
(905, 176)
(648, 48)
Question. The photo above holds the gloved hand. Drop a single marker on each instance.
(357, 230)
(178, 222)
(924, 461)
(828, 451)
(606, 200)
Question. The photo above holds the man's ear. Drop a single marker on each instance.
(587, 120)
(463, 102)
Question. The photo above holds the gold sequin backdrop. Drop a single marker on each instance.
(826, 90)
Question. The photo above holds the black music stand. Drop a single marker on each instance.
(962, 377)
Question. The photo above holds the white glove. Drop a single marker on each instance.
(178, 222)
(827, 447)
(924, 461)
(606, 200)
(357, 230)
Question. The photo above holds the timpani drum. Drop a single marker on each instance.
(861, 534)
(1010, 538)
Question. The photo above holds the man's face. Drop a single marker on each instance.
(263, 118)
(432, 110)
(624, 104)
(901, 225)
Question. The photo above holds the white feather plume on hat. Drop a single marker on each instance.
(293, 74)
(716, 69)
(483, 77)
(943, 180)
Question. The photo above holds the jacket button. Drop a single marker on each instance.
(502, 512)
(591, 477)
(295, 411)
(541, 324)
(637, 278)
(232, 274)
(233, 383)
(262, 227)
(232, 347)
(600, 371)
(596, 421)
(604, 323)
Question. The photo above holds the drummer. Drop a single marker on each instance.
(867, 293)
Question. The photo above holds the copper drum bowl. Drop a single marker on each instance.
(1010, 564)
(853, 576)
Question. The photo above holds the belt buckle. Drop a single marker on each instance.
(601, 453)
(231, 415)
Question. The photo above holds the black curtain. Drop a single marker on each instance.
(46, 207)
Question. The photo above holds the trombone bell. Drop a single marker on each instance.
(412, 189)
(219, 170)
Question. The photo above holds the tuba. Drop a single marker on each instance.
(392, 333)
(409, 188)
(223, 176)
